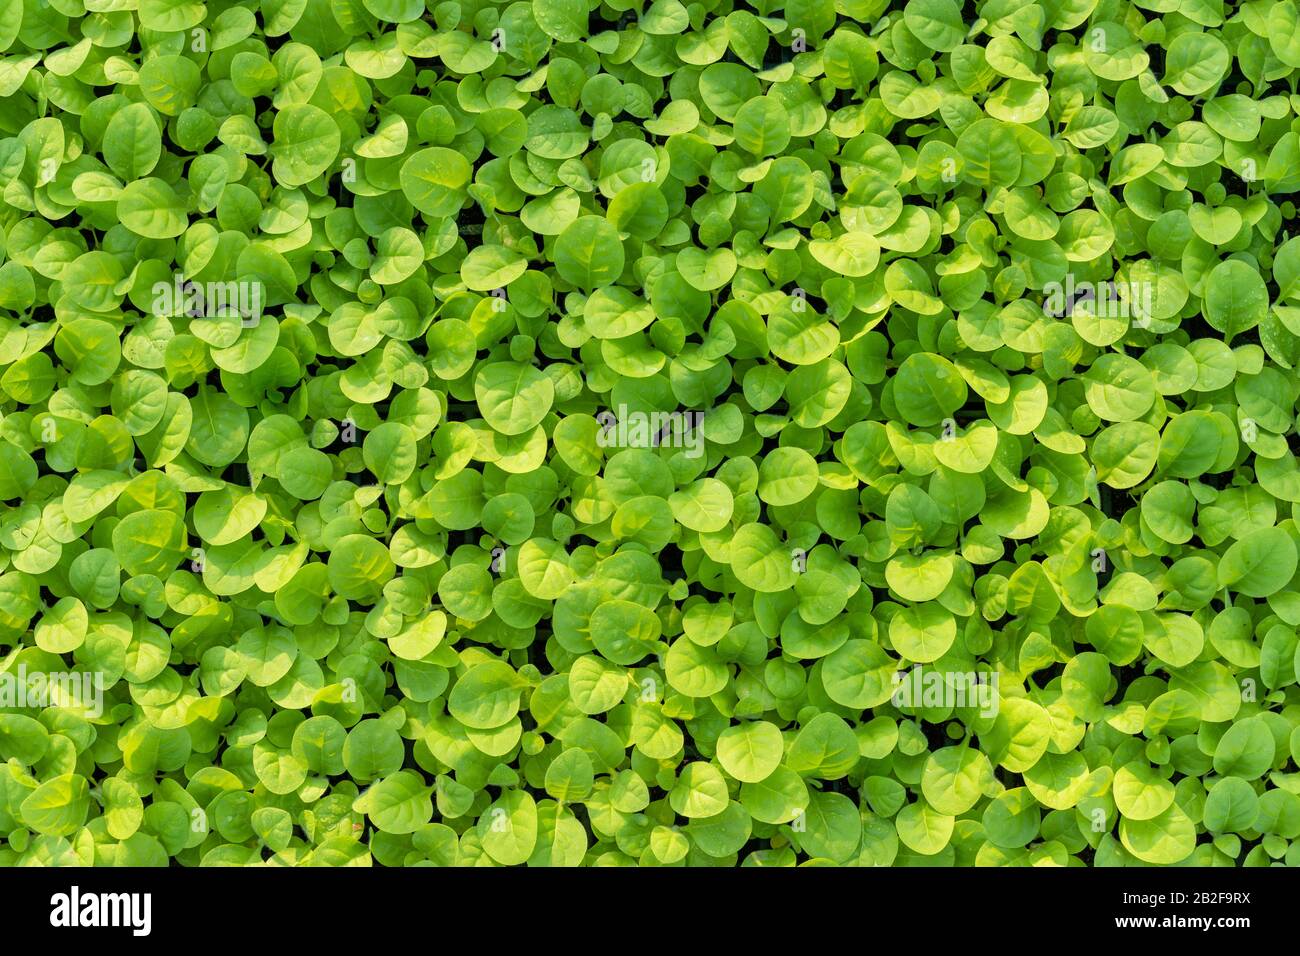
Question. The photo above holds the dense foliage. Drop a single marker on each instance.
(651, 434)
